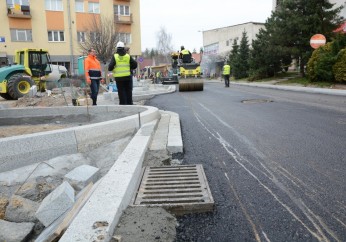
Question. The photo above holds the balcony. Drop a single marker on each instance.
(123, 19)
(18, 11)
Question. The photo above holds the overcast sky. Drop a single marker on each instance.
(185, 19)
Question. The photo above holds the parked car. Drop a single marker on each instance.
(57, 73)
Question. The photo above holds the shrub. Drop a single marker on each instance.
(339, 67)
(320, 64)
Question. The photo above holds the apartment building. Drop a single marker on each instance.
(60, 26)
(337, 3)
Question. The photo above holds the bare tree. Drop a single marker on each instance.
(164, 45)
(101, 36)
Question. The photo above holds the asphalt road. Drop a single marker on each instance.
(275, 163)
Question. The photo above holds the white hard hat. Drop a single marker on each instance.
(120, 44)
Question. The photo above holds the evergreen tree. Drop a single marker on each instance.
(146, 53)
(152, 53)
(242, 63)
(297, 20)
(233, 56)
(268, 56)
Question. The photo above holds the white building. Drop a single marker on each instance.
(217, 44)
(219, 41)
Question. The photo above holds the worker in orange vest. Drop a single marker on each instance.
(93, 74)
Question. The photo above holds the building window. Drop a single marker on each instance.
(81, 37)
(12, 3)
(79, 6)
(95, 37)
(54, 5)
(94, 7)
(21, 35)
(212, 49)
(56, 36)
(125, 37)
(122, 10)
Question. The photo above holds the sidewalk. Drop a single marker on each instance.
(114, 191)
(274, 85)
(142, 90)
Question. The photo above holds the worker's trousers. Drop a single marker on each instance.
(124, 91)
(226, 80)
(94, 88)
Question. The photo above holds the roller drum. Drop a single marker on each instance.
(187, 85)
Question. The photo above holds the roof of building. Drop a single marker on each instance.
(255, 23)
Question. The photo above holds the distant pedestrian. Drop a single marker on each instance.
(226, 74)
(92, 68)
(158, 76)
(122, 65)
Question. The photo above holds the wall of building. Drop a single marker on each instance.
(68, 21)
(222, 38)
(217, 44)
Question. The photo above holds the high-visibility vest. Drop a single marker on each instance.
(185, 52)
(92, 68)
(226, 70)
(122, 65)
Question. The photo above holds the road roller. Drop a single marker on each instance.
(189, 74)
(190, 77)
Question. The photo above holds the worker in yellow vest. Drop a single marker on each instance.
(226, 72)
(122, 65)
(185, 55)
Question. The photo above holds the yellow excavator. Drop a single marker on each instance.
(189, 72)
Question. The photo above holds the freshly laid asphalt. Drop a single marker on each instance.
(125, 174)
(79, 227)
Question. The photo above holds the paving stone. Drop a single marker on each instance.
(21, 209)
(55, 204)
(81, 176)
(14, 232)
(84, 102)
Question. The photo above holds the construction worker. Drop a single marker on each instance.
(185, 55)
(226, 73)
(92, 68)
(158, 75)
(122, 65)
(175, 57)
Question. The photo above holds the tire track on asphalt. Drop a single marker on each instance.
(316, 221)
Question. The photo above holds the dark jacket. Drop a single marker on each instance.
(133, 65)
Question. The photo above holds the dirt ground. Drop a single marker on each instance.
(41, 100)
(57, 97)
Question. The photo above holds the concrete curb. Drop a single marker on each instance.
(297, 89)
(46, 145)
(174, 142)
(101, 213)
(140, 93)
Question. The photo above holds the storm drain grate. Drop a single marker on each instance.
(180, 189)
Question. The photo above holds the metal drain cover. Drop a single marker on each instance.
(179, 189)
